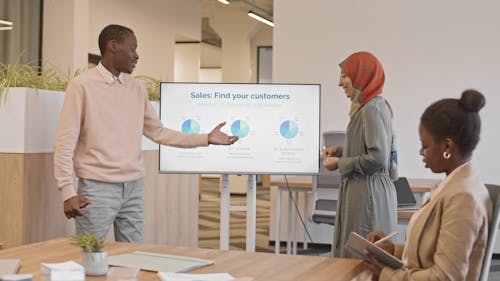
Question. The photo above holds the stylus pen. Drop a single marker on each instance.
(387, 237)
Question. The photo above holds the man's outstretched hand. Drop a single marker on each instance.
(218, 137)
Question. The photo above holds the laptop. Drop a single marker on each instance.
(406, 199)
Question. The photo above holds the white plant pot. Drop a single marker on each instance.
(95, 263)
(28, 119)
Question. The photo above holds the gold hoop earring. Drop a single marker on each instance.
(446, 155)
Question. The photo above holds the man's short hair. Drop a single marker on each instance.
(112, 32)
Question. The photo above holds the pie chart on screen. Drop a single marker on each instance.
(190, 126)
(240, 128)
(289, 129)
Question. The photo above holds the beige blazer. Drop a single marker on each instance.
(448, 238)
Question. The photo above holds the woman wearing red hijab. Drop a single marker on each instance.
(367, 197)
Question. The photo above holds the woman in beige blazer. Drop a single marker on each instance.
(446, 238)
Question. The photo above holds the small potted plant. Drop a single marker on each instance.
(95, 260)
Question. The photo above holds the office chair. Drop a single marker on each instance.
(325, 189)
(494, 191)
(326, 185)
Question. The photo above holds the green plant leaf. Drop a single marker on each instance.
(152, 86)
(30, 75)
(89, 242)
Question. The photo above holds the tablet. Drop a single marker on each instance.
(158, 262)
(357, 245)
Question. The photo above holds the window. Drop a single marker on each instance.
(264, 64)
(25, 36)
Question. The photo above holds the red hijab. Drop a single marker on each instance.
(366, 73)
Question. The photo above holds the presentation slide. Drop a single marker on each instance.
(278, 127)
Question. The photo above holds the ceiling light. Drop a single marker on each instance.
(5, 22)
(260, 18)
(224, 1)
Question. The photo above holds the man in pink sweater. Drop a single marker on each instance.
(105, 113)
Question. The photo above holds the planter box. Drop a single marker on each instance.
(30, 205)
(28, 119)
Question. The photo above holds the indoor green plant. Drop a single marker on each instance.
(89, 242)
(95, 260)
(30, 75)
(31, 99)
(152, 86)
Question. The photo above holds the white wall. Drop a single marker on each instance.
(210, 75)
(155, 24)
(65, 35)
(240, 36)
(211, 56)
(429, 49)
(263, 37)
(236, 30)
(186, 62)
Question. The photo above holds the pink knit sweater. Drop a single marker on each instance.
(100, 130)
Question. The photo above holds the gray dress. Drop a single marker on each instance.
(367, 196)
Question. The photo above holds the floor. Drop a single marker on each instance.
(209, 213)
(209, 210)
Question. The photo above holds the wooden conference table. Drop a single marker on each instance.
(259, 266)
